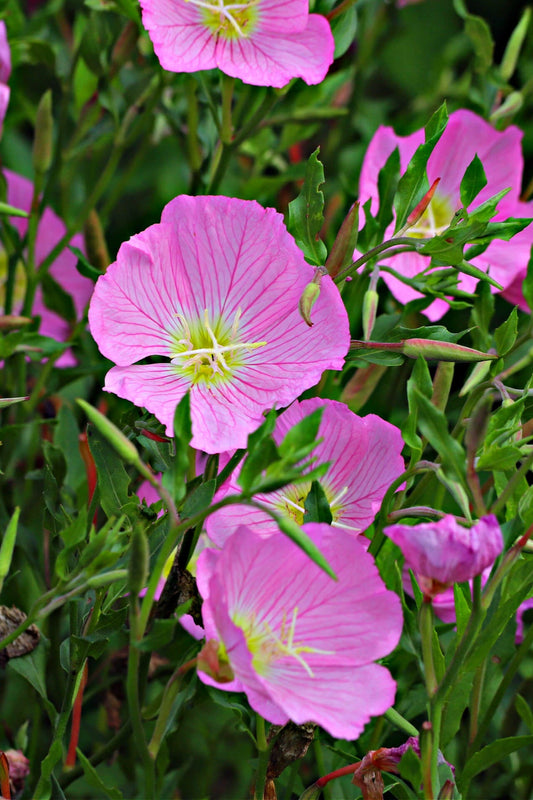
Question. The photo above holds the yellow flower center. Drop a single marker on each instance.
(434, 220)
(267, 646)
(209, 353)
(231, 20)
(292, 504)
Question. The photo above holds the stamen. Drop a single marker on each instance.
(338, 497)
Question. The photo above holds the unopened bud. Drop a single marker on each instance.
(310, 295)
(126, 449)
(370, 307)
(44, 132)
(139, 561)
(477, 375)
(311, 793)
(447, 791)
(420, 207)
(514, 45)
(12, 321)
(341, 254)
(510, 106)
(95, 243)
(442, 351)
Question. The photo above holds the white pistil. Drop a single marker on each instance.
(288, 647)
(293, 505)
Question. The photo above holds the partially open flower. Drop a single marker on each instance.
(444, 552)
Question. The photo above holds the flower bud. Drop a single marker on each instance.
(310, 295)
(447, 791)
(477, 375)
(126, 449)
(139, 561)
(514, 45)
(341, 254)
(370, 306)
(420, 208)
(442, 351)
(44, 131)
(510, 106)
(95, 243)
(477, 424)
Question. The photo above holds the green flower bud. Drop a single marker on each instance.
(44, 133)
(341, 254)
(442, 351)
(370, 307)
(514, 45)
(126, 449)
(95, 243)
(510, 106)
(307, 300)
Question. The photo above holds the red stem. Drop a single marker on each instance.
(76, 720)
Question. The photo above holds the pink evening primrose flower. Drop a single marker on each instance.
(213, 290)
(63, 270)
(364, 456)
(501, 155)
(262, 42)
(298, 643)
(5, 71)
(444, 552)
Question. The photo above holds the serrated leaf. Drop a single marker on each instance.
(474, 180)
(306, 213)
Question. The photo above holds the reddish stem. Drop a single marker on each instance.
(76, 720)
(349, 770)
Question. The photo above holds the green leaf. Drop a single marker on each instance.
(524, 710)
(93, 778)
(434, 426)
(343, 28)
(316, 505)
(83, 266)
(8, 545)
(499, 458)
(113, 480)
(5, 208)
(301, 436)
(182, 420)
(387, 187)
(474, 180)
(413, 183)
(478, 31)
(306, 213)
(492, 754)
(57, 299)
(505, 335)
(410, 767)
(199, 499)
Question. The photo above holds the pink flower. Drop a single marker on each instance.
(299, 644)
(5, 72)
(63, 270)
(444, 552)
(262, 42)
(213, 289)
(522, 608)
(501, 155)
(364, 459)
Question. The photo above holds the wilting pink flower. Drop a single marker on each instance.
(214, 289)
(501, 155)
(298, 643)
(364, 455)
(262, 42)
(444, 552)
(5, 71)
(63, 270)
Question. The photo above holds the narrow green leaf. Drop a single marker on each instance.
(527, 286)
(524, 710)
(113, 480)
(83, 266)
(434, 427)
(306, 213)
(301, 435)
(316, 505)
(474, 180)
(478, 31)
(57, 299)
(344, 28)
(5, 208)
(93, 779)
(387, 186)
(8, 545)
(199, 499)
(492, 754)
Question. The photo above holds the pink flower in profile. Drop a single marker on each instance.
(5, 71)
(63, 270)
(444, 552)
(298, 643)
(213, 290)
(364, 455)
(262, 42)
(500, 153)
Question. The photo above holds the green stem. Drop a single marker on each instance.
(376, 251)
(102, 754)
(426, 621)
(263, 752)
(172, 690)
(193, 146)
(475, 705)
(511, 486)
